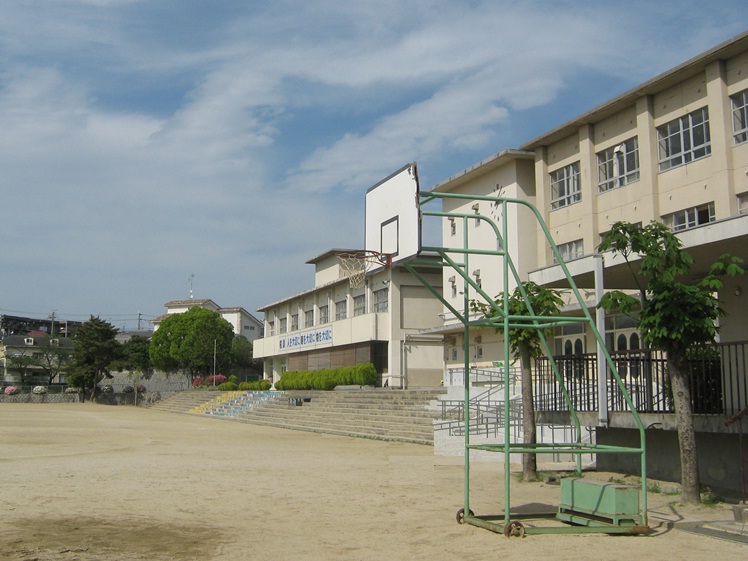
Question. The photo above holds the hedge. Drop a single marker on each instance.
(359, 375)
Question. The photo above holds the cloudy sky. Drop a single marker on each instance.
(146, 141)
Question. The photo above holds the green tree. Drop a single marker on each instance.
(525, 344)
(136, 356)
(190, 342)
(95, 350)
(674, 314)
(22, 363)
(242, 357)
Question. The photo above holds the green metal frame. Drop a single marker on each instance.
(457, 258)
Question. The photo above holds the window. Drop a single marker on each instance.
(684, 140)
(743, 203)
(565, 186)
(570, 250)
(324, 314)
(381, 304)
(283, 325)
(295, 322)
(309, 318)
(740, 116)
(340, 310)
(618, 165)
(271, 327)
(690, 217)
(454, 353)
(359, 305)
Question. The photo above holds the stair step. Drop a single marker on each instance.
(396, 415)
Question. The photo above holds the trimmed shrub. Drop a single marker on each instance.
(359, 375)
(128, 389)
(256, 386)
(10, 390)
(141, 388)
(72, 390)
(234, 379)
(197, 382)
(39, 390)
(227, 386)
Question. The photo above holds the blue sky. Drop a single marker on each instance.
(145, 141)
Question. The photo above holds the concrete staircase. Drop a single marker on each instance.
(382, 414)
(183, 401)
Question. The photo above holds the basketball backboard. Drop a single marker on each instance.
(393, 222)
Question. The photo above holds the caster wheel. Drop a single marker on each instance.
(514, 530)
(461, 515)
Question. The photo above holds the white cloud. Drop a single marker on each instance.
(142, 143)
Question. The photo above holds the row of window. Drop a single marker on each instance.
(379, 305)
(680, 141)
(676, 221)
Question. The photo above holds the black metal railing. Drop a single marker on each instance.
(718, 375)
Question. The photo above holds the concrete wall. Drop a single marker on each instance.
(719, 457)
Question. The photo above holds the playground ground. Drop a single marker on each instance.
(88, 482)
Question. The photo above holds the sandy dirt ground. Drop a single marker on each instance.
(88, 482)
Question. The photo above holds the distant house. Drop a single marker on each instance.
(34, 357)
(240, 319)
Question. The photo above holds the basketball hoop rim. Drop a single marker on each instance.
(370, 256)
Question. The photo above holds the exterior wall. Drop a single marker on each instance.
(719, 454)
(506, 175)
(364, 334)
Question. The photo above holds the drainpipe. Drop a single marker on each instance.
(602, 366)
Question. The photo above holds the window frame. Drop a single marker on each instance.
(381, 301)
(341, 310)
(359, 305)
(324, 314)
(618, 165)
(308, 318)
(740, 113)
(565, 186)
(742, 203)
(692, 217)
(679, 142)
(569, 251)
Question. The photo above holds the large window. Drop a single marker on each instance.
(618, 165)
(381, 300)
(324, 314)
(690, 217)
(684, 140)
(340, 310)
(570, 250)
(359, 305)
(740, 116)
(283, 325)
(565, 186)
(271, 328)
(309, 318)
(294, 322)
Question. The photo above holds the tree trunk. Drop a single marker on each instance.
(689, 467)
(529, 460)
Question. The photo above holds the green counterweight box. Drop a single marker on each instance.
(595, 503)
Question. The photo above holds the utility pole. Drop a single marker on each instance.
(52, 330)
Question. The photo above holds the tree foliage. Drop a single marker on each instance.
(525, 343)
(189, 341)
(241, 352)
(674, 314)
(95, 350)
(135, 356)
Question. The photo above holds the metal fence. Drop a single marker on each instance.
(717, 373)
